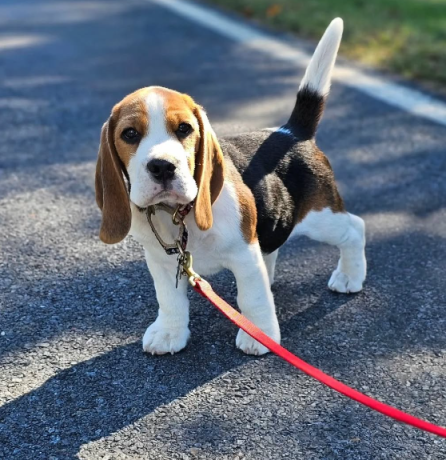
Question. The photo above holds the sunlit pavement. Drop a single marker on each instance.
(74, 380)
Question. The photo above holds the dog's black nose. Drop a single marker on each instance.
(161, 169)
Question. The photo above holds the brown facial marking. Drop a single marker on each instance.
(248, 210)
(131, 112)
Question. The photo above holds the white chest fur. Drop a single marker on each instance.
(212, 250)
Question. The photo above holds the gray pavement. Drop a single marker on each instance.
(74, 382)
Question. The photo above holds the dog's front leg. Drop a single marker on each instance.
(254, 298)
(170, 332)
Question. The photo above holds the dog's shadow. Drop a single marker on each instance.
(95, 398)
(100, 396)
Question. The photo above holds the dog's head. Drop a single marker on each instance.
(161, 141)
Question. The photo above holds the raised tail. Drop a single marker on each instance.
(315, 85)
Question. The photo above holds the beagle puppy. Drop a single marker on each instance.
(251, 193)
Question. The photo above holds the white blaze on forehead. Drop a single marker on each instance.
(157, 117)
(157, 134)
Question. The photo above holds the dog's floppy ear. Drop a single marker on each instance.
(111, 192)
(209, 171)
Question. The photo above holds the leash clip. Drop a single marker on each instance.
(188, 269)
(179, 245)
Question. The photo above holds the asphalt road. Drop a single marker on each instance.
(74, 382)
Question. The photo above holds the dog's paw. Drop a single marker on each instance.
(250, 346)
(159, 339)
(341, 282)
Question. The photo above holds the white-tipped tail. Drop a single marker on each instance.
(318, 74)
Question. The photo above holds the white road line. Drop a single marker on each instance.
(410, 100)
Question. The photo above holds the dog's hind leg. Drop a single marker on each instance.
(347, 232)
(270, 263)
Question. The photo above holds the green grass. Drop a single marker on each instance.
(407, 37)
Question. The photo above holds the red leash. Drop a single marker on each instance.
(205, 289)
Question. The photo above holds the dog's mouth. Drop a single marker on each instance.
(164, 196)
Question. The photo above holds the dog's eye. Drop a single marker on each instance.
(184, 129)
(131, 136)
